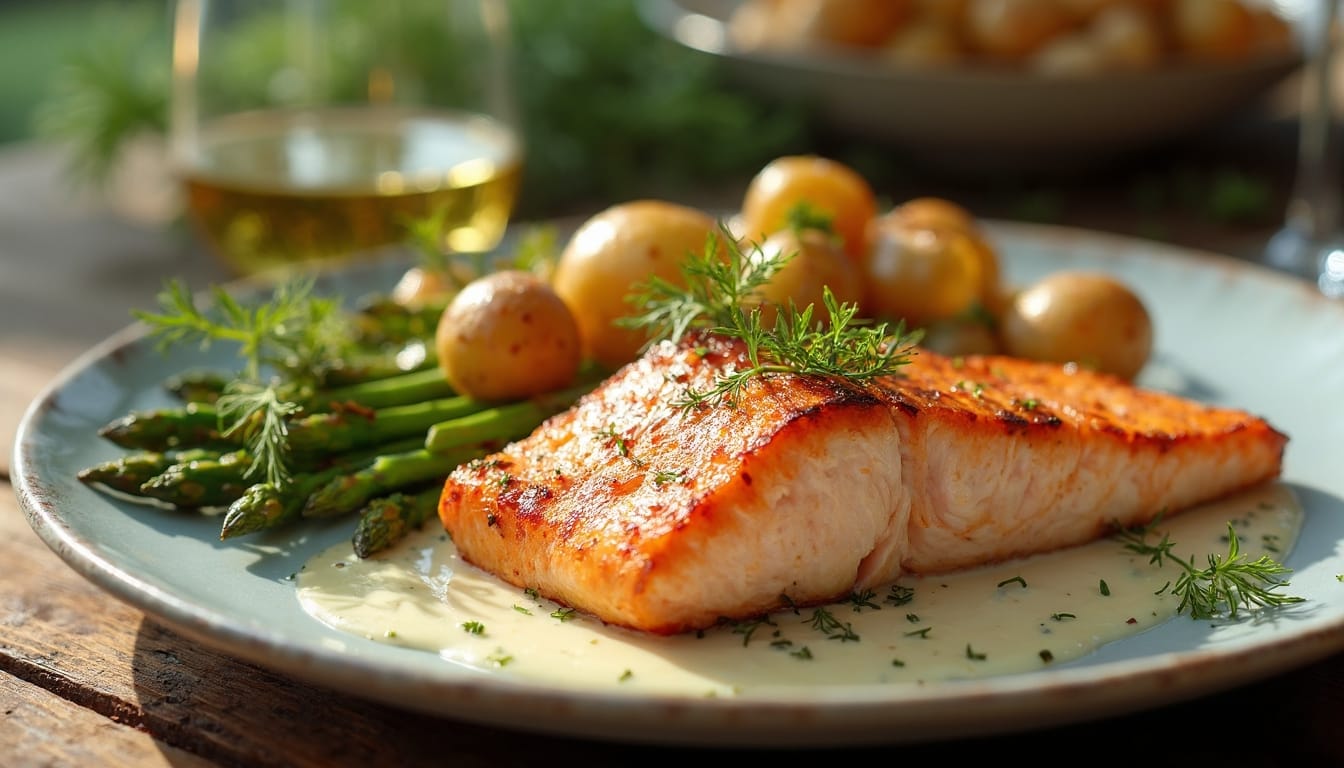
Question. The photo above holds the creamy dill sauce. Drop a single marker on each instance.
(1008, 618)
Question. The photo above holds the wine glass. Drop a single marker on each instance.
(1311, 242)
(312, 129)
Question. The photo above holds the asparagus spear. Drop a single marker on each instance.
(503, 422)
(402, 389)
(344, 429)
(348, 492)
(416, 386)
(386, 520)
(264, 505)
(197, 386)
(357, 421)
(203, 482)
(128, 473)
(383, 320)
(192, 425)
(378, 364)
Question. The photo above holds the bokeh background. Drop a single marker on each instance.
(614, 111)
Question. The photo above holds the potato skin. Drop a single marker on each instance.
(1087, 318)
(507, 336)
(828, 186)
(921, 275)
(815, 262)
(613, 252)
(944, 215)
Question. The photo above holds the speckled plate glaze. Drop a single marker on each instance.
(1227, 333)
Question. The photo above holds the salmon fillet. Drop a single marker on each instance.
(630, 510)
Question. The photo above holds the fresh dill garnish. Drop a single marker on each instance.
(1014, 580)
(721, 296)
(861, 599)
(665, 476)
(564, 614)
(1229, 583)
(473, 627)
(805, 216)
(825, 622)
(538, 251)
(613, 438)
(260, 416)
(291, 334)
(1062, 616)
(748, 628)
(900, 594)
(973, 655)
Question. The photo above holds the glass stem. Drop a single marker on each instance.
(1314, 206)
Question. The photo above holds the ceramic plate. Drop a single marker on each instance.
(979, 117)
(1227, 333)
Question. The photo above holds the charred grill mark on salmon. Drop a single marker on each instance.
(806, 489)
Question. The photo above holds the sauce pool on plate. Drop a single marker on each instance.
(1011, 617)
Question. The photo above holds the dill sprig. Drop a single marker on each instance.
(1230, 582)
(721, 296)
(291, 334)
(261, 416)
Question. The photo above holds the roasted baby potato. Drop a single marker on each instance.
(1087, 318)
(612, 253)
(507, 336)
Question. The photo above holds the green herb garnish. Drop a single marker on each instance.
(720, 296)
(290, 334)
(1230, 582)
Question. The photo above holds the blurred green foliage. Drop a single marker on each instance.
(37, 37)
(609, 109)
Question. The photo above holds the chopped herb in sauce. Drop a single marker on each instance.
(900, 595)
(834, 629)
(864, 599)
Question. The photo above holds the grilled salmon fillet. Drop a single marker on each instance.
(644, 516)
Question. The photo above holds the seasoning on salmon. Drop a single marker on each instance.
(806, 488)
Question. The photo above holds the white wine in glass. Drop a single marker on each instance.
(314, 129)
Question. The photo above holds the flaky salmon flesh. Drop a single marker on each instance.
(628, 508)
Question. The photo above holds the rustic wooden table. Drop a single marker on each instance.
(87, 680)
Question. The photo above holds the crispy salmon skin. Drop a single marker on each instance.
(805, 489)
